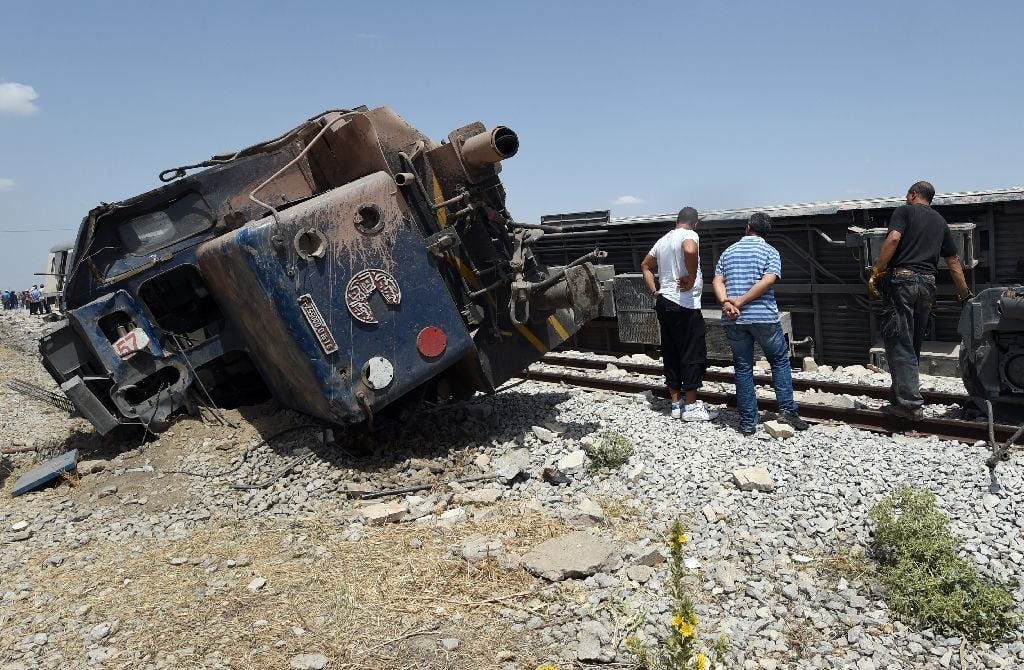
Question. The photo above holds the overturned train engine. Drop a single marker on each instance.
(340, 267)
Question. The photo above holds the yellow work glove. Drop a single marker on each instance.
(876, 276)
(964, 298)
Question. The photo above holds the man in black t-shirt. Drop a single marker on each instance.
(904, 279)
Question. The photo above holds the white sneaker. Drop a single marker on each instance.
(698, 411)
(677, 410)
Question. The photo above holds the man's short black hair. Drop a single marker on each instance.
(923, 189)
(687, 215)
(760, 223)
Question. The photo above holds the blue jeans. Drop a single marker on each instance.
(741, 340)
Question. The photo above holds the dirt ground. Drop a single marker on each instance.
(154, 575)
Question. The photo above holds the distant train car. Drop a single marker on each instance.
(58, 263)
(348, 264)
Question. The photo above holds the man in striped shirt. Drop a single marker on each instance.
(744, 276)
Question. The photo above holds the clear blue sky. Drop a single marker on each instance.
(707, 103)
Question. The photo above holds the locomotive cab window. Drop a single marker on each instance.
(187, 216)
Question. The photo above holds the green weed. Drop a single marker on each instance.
(610, 450)
(928, 584)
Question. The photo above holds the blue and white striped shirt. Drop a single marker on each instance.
(742, 265)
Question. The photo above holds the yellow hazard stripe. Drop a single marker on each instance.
(442, 214)
(532, 339)
(557, 325)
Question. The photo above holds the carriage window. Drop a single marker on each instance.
(181, 219)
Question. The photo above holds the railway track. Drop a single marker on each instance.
(866, 419)
(877, 392)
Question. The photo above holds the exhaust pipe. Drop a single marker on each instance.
(490, 147)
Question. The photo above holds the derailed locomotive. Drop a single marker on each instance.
(347, 264)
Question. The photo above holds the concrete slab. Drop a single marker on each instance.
(941, 359)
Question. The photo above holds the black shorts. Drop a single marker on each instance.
(683, 347)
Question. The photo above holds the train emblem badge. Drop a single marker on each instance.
(361, 287)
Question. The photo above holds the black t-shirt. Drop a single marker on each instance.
(925, 236)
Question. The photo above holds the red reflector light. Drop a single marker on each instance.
(431, 341)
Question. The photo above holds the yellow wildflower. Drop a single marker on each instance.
(547, 666)
(692, 618)
(702, 662)
(681, 539)
(685, 628)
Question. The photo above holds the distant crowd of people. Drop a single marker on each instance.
(32, 300)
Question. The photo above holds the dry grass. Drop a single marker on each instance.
(375, 603)
(853, 566)
(802, 638)
(624, 517)
(370, 604)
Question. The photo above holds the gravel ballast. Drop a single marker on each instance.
(780, 569)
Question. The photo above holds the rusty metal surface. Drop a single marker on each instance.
(585, 291)
(489, 147)
(244, 271)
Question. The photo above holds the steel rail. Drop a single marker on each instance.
(873, 420)
(877, 392)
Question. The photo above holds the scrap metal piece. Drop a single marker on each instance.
(371, 495)
(585, 292)
(89, 406)
(45, 472)
(554, 476)
(30, 390)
